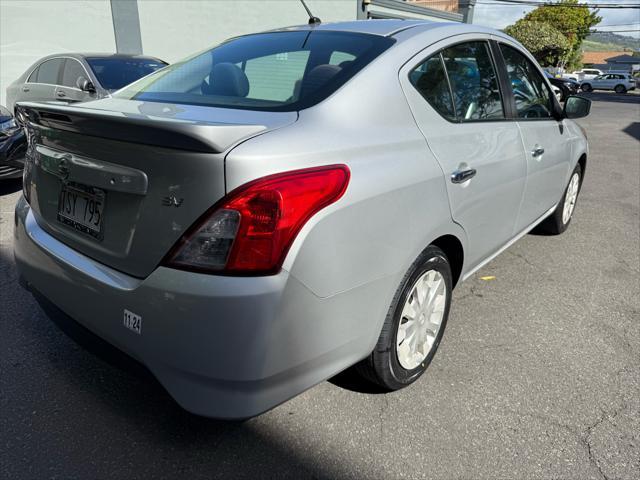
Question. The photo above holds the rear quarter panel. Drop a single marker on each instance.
(396, 202)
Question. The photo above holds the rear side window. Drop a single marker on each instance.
(34, 76)
(430, 79)
(533, 99)
(73, 70)
(474, 82)
(48, 71)
(277, 71)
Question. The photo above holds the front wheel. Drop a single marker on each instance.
(620, 89)
(559, 220)
(586, 87)
(414, 325)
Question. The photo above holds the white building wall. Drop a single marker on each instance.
(172, 30)
(31, 29)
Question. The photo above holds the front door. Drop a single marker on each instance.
(455, 97)
(545, 139)
(69, 90)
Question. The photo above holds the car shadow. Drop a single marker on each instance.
(633, 129)
(611, 97)
(10, 186)
(113, 404)
(352, 381)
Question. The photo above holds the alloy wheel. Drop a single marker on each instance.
(421, 319)
(570, 198)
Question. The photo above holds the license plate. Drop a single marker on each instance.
(81, 207)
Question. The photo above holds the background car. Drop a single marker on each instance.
(78, 77)
(584, 74)
(13, 145)
(566, 85)
(619, 82)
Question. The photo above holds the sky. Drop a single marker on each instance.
(499, 15)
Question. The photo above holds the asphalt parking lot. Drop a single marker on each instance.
(538, 375)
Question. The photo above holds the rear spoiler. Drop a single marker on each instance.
(136, 128)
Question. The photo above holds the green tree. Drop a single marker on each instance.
(547, 44)
(574, 21)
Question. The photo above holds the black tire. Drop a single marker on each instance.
(554, 224)
(620, 89)
(586, 87)
(382, 365)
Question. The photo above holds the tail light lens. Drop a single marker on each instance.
(249, 231)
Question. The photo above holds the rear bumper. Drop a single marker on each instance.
(223, 347)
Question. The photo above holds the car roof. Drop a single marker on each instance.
(84, 55)
(388, 27)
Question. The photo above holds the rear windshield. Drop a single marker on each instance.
(277, 71)
(115, 73)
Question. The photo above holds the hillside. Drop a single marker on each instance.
(601, 42)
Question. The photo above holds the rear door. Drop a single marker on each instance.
(606, 82)
(455, 96)
(68, 90)
(42, 82)
(546, 140)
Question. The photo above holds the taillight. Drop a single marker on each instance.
(249, 231)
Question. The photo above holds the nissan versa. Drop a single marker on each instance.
(257, 218)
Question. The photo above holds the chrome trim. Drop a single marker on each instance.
(27, 82)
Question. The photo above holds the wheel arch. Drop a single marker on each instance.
(582, 161)
(453, 249)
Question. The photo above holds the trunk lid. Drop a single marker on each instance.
(141, 173)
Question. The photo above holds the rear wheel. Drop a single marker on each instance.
(414, 324)
(586, 87)
(559, 220)
(620, 89)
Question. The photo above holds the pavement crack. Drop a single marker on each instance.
(522, 257)
(473, 293)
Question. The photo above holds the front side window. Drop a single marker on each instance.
(530, 91)
(73, 70)
(48, 71)
(430, 79)
(474, 82)
(277, 71)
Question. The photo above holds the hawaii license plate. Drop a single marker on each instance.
(82, 207)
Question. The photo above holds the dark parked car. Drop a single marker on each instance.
(566, 85)
(79, 77)
(13, 145)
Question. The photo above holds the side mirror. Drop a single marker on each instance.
(576, 107)
(85, 85)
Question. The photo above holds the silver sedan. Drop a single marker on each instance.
(259, 217)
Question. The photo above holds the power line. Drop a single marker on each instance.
(532, 3)
(620, 25)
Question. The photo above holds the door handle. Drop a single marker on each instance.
(461, 176)
(537, 151)
(60, 93)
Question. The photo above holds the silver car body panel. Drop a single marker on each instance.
(234, 347)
